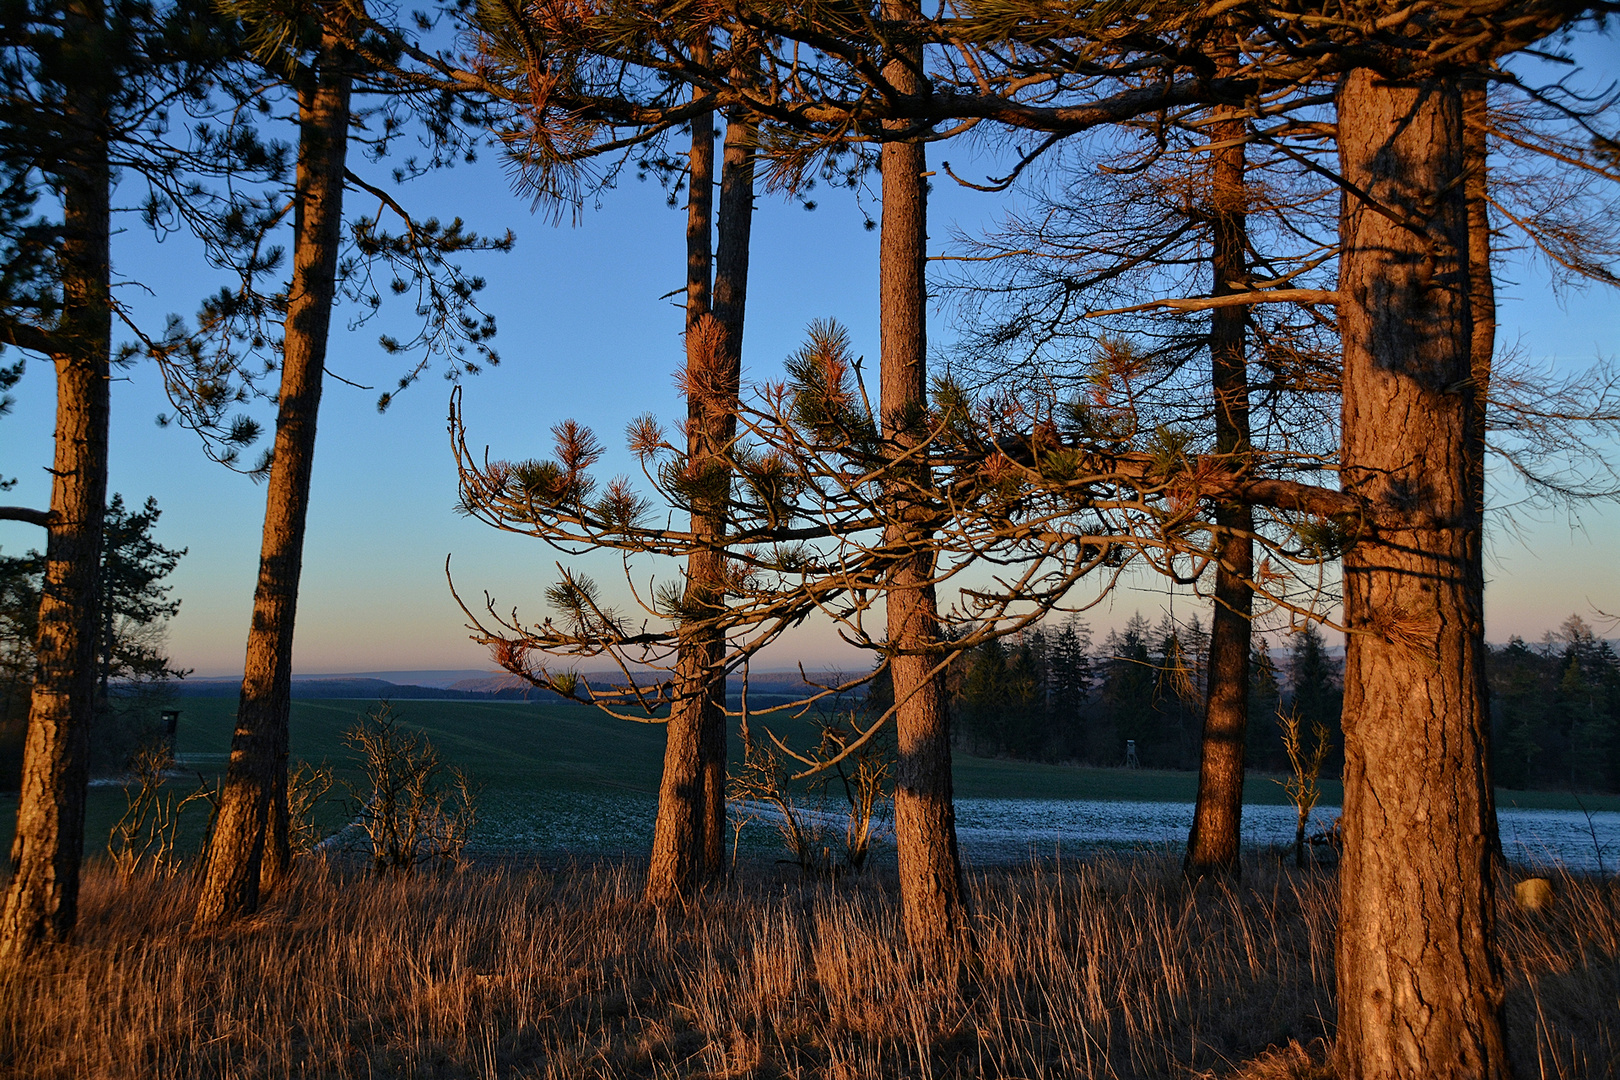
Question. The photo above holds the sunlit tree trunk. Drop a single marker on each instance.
(250, 836)
(931, 893)
(677, 855)
(1213, 844)
(689, 839)
(41, 902)
(1419, 985)
(730, 307)
(1482, 352)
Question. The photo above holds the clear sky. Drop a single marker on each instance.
(584, 334)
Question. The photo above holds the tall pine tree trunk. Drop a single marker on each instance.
(1482, 352)
(1419, 984)
(677, 855)
(730, 307)
(689, 839)
(1481, 279)
(1213, 844)
(931, 893)
(41, 903)
(250, 836)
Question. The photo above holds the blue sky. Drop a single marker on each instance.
(585, 335)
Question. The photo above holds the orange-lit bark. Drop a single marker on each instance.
(249, 843)
(689, 840)
(41, 901)
(1213, 844)
(931, 893)
(1420, 986)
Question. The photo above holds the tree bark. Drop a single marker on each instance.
(250, 837)
(1482, 354)
(679, 831)
(689, 841)
(1213, 844)
(730, 308)
(41, 902)
(931, 892)
(1419, 985)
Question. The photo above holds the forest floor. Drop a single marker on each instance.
(1110, 967)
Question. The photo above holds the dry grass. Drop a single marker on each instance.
(1110, 968)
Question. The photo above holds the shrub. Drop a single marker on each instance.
(415, 809)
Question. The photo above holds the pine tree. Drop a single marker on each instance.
(134, 597)
(86, 82)
(1127, 696)
(1263, 731)
(1070, 682)
(312, 52)
(1313, 685)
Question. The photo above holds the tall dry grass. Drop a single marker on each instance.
(1102, 969)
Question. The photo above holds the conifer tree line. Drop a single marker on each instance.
(1247, 342)
(1049, 694)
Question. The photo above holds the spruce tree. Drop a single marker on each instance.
(1313, 687)
(1070, 681)
(1127, 696)
(985, 697)
(1263, 733)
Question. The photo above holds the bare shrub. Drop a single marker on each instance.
(144, 838)
(762, 781)
(307, 786)
(414, 809)
(864, 778)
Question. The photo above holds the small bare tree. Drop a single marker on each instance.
(415, 809)
(307, 786)
(867, 780)
(1302, 787)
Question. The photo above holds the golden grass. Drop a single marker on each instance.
(1112, 968)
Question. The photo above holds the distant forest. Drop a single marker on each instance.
(1052, 695)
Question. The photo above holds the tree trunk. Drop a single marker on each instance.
(250, 835)
(730, 307)
(1419, 985)
(1213, 844)
(689, 840)
(678, 833)
(931, 893)
(1482, 353)
(41, 902)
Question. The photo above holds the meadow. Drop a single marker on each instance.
(544, 965)
(1107, 968)
(522, 752)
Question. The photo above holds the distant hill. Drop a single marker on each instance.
(487, 685)
(369, 688)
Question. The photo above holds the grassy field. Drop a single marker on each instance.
(523, 750)
(1111, 968)
(511, 745)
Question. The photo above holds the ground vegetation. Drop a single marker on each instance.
(1106, 968)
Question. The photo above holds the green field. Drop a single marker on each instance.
(520, 752)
